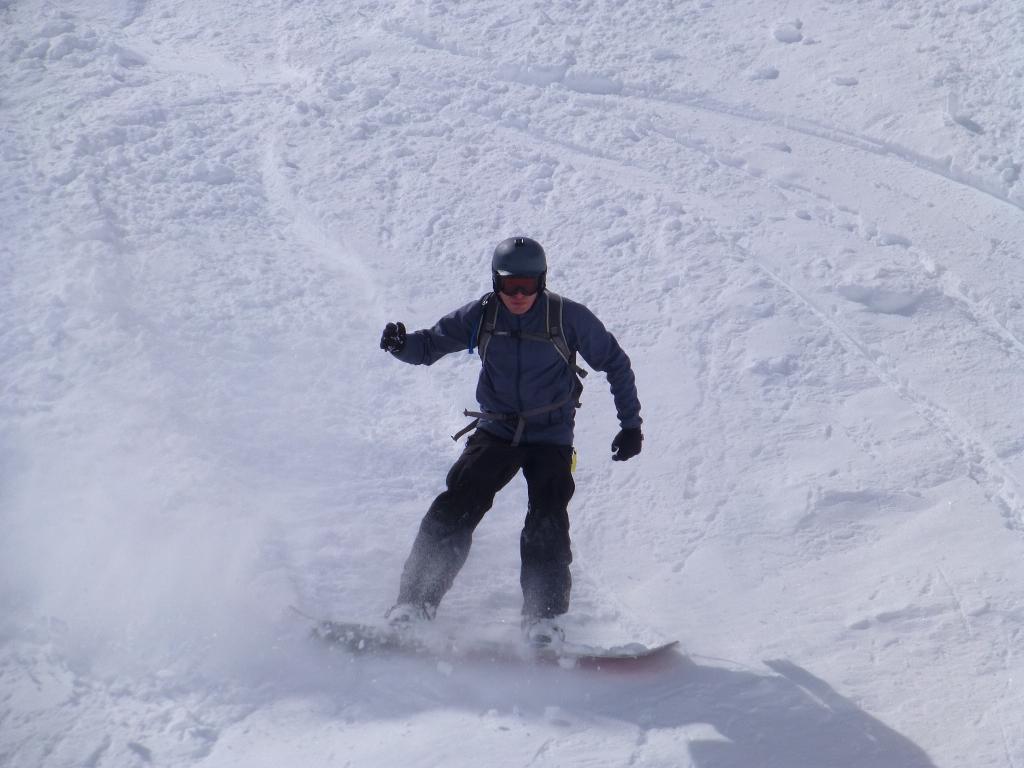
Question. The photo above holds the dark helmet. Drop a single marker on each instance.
(519, 256)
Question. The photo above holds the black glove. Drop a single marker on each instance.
(393, 338)
(627, 444)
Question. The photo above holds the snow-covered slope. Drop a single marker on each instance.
(803, 222)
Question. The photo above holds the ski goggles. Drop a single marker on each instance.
(510, 285)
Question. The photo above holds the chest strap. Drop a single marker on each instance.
(554, 334)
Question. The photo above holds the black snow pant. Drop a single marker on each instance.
(486, 466)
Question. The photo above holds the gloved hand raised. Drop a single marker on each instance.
(627, 444)
(393, 338)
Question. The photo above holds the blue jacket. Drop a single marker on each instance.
(522, 374)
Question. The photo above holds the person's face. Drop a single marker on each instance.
(518, 293)
(518, 304)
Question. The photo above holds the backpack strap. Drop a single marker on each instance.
(554, 330)
(554, 334)
(485, 326)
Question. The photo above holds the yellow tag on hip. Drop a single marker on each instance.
(572, 465)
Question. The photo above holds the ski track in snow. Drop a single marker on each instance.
(982, 463)
(300, 163)
(834, 135)
(307, 231)
(610, 89)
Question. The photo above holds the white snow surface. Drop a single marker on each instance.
(802, 220)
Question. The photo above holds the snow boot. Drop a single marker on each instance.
(408, 614)
(542, 632)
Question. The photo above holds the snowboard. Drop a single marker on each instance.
(367, 639)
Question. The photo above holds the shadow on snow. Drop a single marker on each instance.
(789, 718)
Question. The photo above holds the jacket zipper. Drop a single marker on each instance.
(519, 364)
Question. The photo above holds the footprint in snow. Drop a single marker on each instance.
(891, 238)
(765, 73)
(789, 33)
(882, 301)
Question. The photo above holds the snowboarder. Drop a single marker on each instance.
(528, 392)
